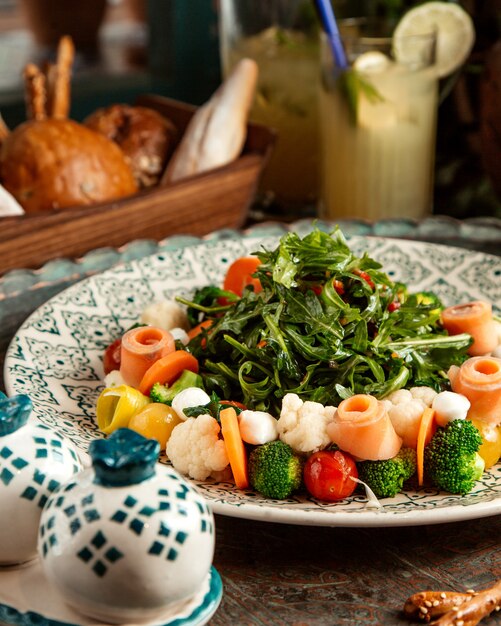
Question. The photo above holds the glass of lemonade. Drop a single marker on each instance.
(282, 37)
(378, 125)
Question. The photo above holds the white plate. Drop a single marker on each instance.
(56, 355)
(27, 599)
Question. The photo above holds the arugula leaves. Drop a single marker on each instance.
(213, 408)
(326, 325)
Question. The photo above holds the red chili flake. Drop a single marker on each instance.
(317, 289)
(338, 286)
(365, 277)
(393, 306)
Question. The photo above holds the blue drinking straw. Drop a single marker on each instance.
(329, 21)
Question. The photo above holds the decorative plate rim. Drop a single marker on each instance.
(465, 230)
(295, 511)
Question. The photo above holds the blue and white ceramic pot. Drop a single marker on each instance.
(128, 537)
(34, 461)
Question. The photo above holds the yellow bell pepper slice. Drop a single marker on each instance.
(116, 405)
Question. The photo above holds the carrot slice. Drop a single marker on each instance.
(474, 318)
(234, 446)
(239, 275)
(427, 428)
(196, 330)
(167, 369)
(140, 348)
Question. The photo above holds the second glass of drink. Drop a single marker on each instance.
(378, 125)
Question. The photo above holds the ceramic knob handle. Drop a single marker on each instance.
(14, 413)
(125, 458)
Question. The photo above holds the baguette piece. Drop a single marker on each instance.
(216, 133)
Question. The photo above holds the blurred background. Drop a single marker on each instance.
(170, 47)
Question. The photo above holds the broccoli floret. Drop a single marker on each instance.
(386, 478)
(275, 470)
(165, 394)
(451, 459)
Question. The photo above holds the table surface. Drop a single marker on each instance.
(302, 575)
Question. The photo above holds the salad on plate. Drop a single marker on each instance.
(310, 370)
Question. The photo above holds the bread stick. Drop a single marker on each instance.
(216, 133)
(60, 80)
(35, 94)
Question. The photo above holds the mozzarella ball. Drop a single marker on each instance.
(450, 406)
(114, 379)
(180, 334)
(191, 396)
(257, 427)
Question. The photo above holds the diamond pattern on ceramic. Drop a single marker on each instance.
(98, 555)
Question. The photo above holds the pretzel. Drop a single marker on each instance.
(34, 92)
(454, 608)
(4, 129)
(58, 79)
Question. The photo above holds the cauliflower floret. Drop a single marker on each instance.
(303, 425)
(400, 397)
(426, 394)
(166, 314)
(405, 408)
(195, 449)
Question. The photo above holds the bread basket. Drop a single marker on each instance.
(197, 205)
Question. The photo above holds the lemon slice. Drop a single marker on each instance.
(372, 62)
(454, 29)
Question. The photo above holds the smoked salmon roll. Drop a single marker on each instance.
(362, 427)
(141, 347)
(479, 379)
(474, 318)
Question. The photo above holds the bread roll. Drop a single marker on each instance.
(58, 163)
(144, 136)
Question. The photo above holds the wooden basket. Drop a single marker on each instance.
(197, 205)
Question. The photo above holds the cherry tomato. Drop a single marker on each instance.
(155, 421)
(239, 275)
(327, 475)
(111, 358)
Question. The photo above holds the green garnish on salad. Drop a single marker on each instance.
(325, 326)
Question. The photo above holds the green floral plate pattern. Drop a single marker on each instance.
(56, 358)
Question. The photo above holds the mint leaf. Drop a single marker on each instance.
(352, 85)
